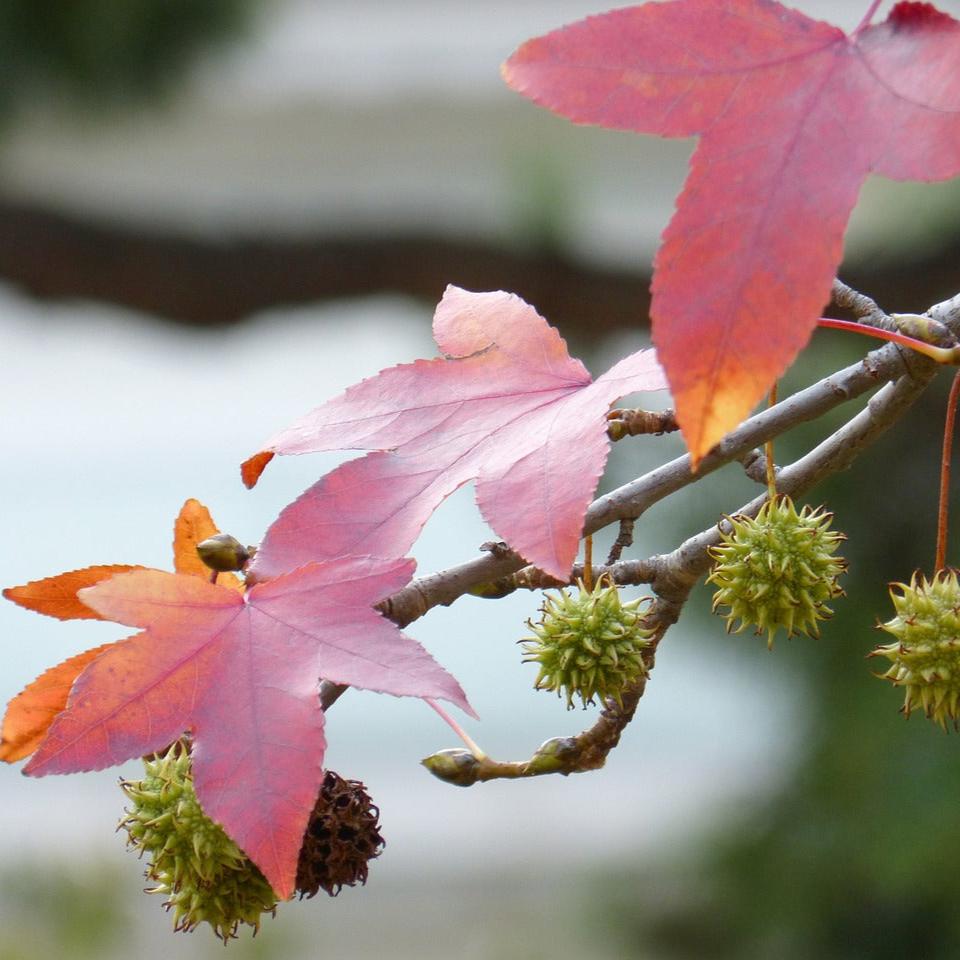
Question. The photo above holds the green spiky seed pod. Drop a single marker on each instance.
(589, 644)
(925, 654)
(204, 874)
(777, 569)
(342, 836)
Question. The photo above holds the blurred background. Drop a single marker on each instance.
(216, 214)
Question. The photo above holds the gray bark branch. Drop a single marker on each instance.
(902, 377)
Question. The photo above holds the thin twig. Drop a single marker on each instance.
(564, 755)
(623, 541)
(859, 304)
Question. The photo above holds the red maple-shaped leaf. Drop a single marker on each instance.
(793, 115)
(241, 672)
(506, 406)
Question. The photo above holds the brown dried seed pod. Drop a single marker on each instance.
(342, 836)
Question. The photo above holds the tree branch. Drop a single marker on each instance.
(631, 500)
(904, 376)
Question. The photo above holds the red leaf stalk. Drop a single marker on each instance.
(867, 17)
(940, 559)
(946, 355)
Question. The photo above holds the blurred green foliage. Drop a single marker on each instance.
(48, 913)
(99, 53)
(77, 907)
(854, 855)
(97, 909)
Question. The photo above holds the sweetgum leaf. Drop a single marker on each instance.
(792, 115)
(505, 406)
(241, 672)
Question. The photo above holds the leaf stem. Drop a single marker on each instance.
(945, 355)
(457, 729)
(941, 555)
(768, 451)
(867, 17)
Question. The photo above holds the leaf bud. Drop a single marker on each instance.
(223, 553)
(553, 755)
(925, 329)
(491, 590)
(456, 766)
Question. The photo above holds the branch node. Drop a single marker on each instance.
(497, 549)
(635, 422)
(860, 305)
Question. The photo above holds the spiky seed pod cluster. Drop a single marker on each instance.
(342, 836)
(588, 644)
(925, 654)
(206, 877)
(777, 569)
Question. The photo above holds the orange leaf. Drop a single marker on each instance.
(30, 713)
(194, 524)
(251, 468)
(57, 596)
